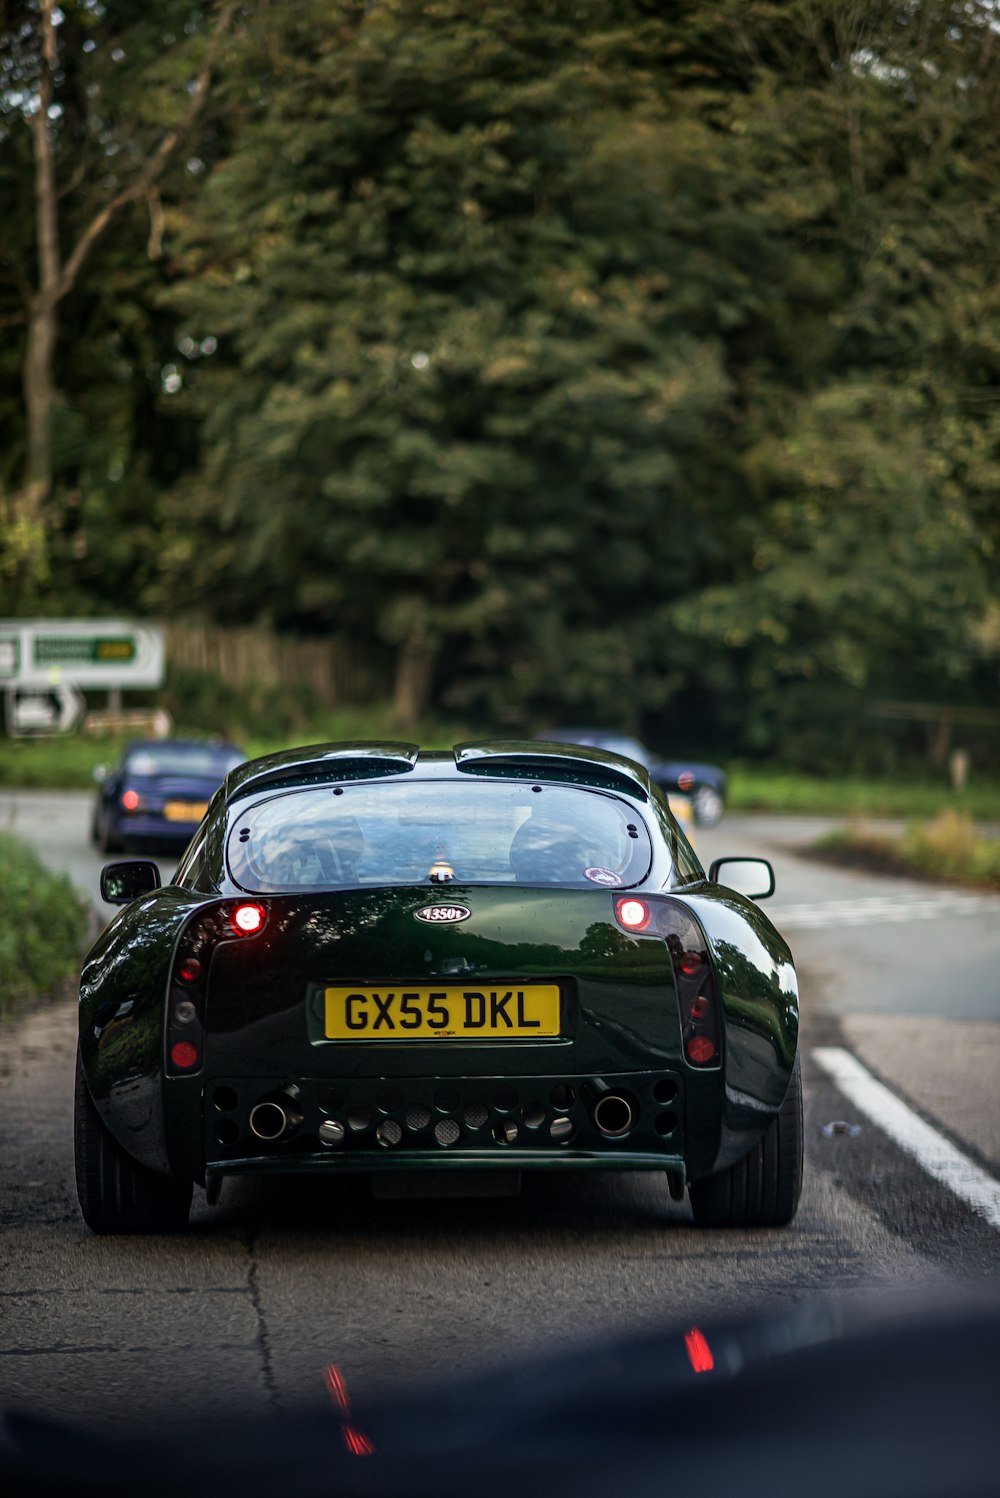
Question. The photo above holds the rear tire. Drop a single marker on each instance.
(761, 1190)
(117, 1195)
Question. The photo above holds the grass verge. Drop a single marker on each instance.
(44, 930)
(781, 792)
(949, 847)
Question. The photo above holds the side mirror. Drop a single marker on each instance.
(100, 773)
(753, 877)
(121, 883)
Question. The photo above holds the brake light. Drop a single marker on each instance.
(130, 800)
(694, 980)
(247, 920)
(207, 928)
(184, 1055)
(700, 1049)
(634, 915)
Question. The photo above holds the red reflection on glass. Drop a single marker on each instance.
(698, 1351)
(357, 1442)
(334, 1380)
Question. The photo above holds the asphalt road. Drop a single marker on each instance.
(279, 1280)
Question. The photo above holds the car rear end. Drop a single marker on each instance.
(528, 1020)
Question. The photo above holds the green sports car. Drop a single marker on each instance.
(501, 958)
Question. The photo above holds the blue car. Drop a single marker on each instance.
(158, 792)
(704, 785)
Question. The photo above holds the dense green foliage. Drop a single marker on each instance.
(614, 361)
(45, 924)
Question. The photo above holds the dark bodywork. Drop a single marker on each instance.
(260, 1021)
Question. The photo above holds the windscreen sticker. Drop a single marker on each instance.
(603, 876)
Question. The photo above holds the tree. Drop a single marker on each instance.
(457, 398)
(58, 62)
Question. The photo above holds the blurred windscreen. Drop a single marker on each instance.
(481, 833)
(183, 759)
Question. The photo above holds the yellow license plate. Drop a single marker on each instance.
(185, 811)
(528, 1012)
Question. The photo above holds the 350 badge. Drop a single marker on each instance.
(438, 913)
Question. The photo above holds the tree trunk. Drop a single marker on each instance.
(414, 675)
(56, 278)
(39, 380)
(39, 393)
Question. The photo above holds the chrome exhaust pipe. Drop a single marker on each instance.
(613, 1115)
(272, 1118)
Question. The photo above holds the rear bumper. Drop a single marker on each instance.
(141, 830)
(453, 1123)
(517, 1160)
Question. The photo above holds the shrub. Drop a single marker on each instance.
(44, 930)
(948, 847)
(951, 847)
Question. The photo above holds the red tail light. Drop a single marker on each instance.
(700, 1049)
(697, 996)
(130, 800)
(247, 920)
(633, 914)
(185, 1037)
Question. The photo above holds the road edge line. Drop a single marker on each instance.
(935, 1154)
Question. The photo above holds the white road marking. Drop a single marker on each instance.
(931, 1151)
(877, 910)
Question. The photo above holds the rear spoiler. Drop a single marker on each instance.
(531, 759)
(322, 763)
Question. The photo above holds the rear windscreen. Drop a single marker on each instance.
(171, 760)
(435, 832)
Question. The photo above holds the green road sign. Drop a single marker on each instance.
(82, 652)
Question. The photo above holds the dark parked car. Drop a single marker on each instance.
(158, 792)
(500, 958)
(704, 785)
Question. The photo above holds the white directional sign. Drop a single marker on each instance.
(84, 652)
(34, 710)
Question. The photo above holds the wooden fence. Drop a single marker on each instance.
(332, 668)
